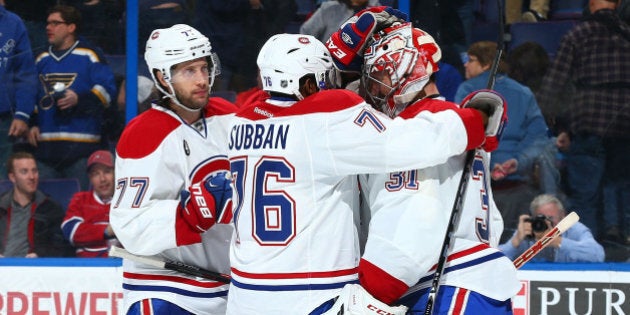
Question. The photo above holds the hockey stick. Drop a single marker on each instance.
(463, 182)
(170, 265)
(560, 228)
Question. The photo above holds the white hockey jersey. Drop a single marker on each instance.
(157, 157)
(295, 244)
(410, 211)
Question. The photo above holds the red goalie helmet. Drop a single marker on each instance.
(397, 65)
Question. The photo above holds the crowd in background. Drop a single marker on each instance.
(578, 156)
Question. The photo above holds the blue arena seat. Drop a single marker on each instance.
(5, 185)
(486, 25)
(567, 9)
(61, 190)
(118, 65)
(548, 34)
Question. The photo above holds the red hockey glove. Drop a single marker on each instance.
(346, 44)
(207, 202)
(495, 107)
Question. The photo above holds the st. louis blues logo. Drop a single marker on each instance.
(51, 83)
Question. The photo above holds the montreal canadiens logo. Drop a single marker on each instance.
(207, 167)
(304, 40)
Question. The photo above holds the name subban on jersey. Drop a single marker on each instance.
(197, 193)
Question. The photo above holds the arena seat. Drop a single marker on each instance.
(59, 189)
(567, 9)
(548, 34)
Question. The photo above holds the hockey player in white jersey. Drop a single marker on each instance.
(292, 157)
(170, 187)
(410, 209)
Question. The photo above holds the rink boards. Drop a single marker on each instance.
(93, 286)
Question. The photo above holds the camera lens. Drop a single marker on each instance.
(539, 223)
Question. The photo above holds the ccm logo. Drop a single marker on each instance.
(201, 201)
(377, 310)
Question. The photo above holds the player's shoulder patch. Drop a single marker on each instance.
(144, 133)
(324, 102)
(219, 106)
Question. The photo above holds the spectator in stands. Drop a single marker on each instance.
(527, 64)
(146, 93)
(105, 26)
(223, 22)
(523, 139)
(76, 87)
(265, 18)
(443, 21)
(575, 245)
(593, 56)
(537, 11)
(18, 83)
(86, 224)
(154, 14)
(33, 13)
(331, 14)
(448, 80)
(29, 219)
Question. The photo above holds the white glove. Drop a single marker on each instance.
(493, 104)
(354, 300)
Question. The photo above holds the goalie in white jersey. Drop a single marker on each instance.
(170, 168)
(292, 159)
(410, 209)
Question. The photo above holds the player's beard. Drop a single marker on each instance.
(193, 99)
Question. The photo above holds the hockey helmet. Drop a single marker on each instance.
(285, 58)
(397, 66)
(171, 46)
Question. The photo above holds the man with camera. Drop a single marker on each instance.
(575, 245)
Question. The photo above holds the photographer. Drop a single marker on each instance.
(575, 245)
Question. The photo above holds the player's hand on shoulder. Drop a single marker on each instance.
(493, 105)
(346, 45)
(354, 300)
(206, 201)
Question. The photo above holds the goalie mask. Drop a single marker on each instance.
(397, 66)
(171, 46)
(285, 58)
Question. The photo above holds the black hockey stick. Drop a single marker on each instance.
(171, 265)
(463, 183)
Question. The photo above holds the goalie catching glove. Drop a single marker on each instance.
(354, 300)
(207, 202)
(495, 107)
(346, 45)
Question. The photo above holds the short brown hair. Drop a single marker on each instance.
(485, 51)
(69, 14)
(17, 156)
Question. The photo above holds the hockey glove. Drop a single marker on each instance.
(495, 107)
(346, 44)
(207, 202)
(354, 300)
